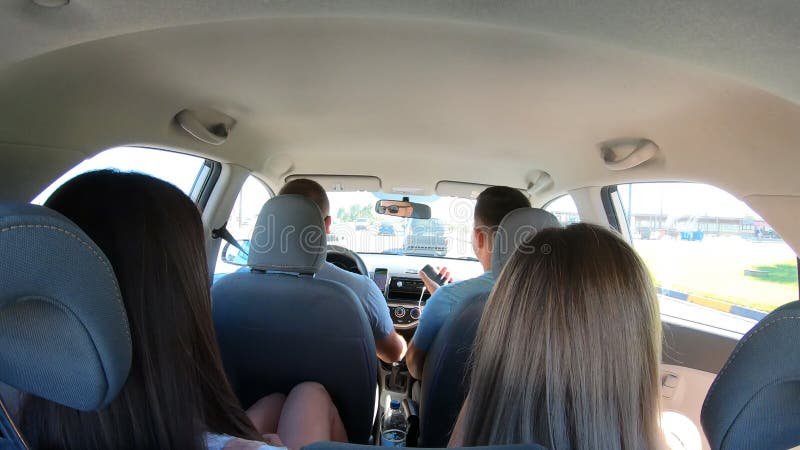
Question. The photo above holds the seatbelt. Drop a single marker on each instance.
(223, 233)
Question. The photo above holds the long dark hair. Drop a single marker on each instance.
(568, 347)
(176, 391)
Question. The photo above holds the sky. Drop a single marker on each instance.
(177, 168)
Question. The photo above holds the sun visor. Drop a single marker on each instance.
(463, 190)
(342, 183)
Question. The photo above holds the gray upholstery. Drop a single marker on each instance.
(63, 330)
(444, 385)
(755, 400)
(339, 446)
(289, 236)
(515, 227)
(277, 326)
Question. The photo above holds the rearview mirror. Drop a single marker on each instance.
(403, 209)
(233, 255)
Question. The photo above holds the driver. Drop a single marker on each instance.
(493, 204)
(391, 347)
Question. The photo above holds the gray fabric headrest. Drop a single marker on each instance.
(63, 328)
(289, 236)
(514, 229)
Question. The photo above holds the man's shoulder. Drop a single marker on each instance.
(471, 286)
(332, 272)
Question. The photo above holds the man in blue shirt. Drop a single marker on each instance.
(493, 204)
(390, 346)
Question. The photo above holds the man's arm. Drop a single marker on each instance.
(434, 314)
(415, 359)
(391, 348)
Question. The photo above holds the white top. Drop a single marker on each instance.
(219, 441)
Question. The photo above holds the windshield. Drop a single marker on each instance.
(447, 234)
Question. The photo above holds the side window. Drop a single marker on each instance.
(713, 259)
(243, 218)
(180, 169)
(564, 209)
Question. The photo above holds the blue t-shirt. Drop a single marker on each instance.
(442, 303)
(368, 294)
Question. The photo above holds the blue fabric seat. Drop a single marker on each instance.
(278, 326)
(755, 400)
(444, 383)
(64, 332)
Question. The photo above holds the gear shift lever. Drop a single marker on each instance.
(397, 382)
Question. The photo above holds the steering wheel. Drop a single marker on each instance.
(346, 259)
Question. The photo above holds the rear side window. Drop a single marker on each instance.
(713, 259)
(243, 218)
(564, 209)
(180, 169)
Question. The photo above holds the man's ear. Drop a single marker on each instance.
(479, 237)
(327, 224)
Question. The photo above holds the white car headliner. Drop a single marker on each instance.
(413, 92)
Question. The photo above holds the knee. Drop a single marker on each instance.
(310, 389)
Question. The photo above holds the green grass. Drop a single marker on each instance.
(776, 273)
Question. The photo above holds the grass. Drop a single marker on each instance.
(714, 268)
(776, 273)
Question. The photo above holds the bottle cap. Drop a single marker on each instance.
(394, 404)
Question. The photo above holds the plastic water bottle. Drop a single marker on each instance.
(393, 431)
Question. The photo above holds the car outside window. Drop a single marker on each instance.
(564, 209)
(179, 169)
(713, 259)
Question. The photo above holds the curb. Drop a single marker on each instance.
(713, 304)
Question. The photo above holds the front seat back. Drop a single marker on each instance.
(444, 385)
(64, 332)
(278, 326)
(755, 400)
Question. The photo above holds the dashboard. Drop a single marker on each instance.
(403, 288)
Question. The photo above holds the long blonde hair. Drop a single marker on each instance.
(568, 347)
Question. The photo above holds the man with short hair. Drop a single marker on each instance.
(492, 206)
(390, 346)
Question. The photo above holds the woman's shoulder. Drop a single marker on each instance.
(225, 442)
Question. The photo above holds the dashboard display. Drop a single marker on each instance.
(380, 278)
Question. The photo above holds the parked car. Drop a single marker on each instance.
(362, 224)
(386, 229)
(425, 237)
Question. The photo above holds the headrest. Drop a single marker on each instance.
(753, 402)
(515, 227)
(63, 329)
(289, 236)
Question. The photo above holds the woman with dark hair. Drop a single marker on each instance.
(568, 348)
(176, 395)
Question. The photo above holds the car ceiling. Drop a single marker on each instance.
(486, 92)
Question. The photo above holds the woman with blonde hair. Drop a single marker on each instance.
(568, 348)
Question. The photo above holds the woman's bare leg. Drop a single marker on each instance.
(309, 415)
(266, 413)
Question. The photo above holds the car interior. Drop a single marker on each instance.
(673, 124)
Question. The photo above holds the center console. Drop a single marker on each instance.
(405, 299)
